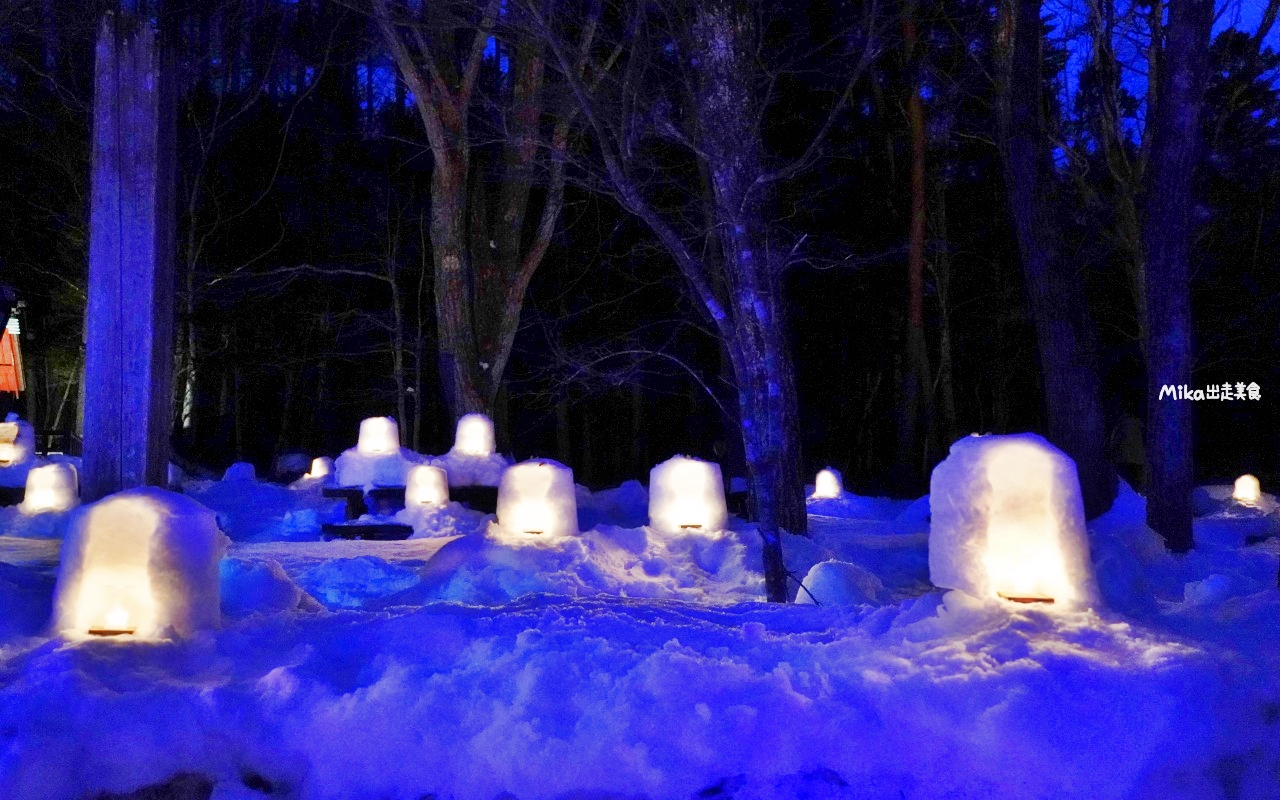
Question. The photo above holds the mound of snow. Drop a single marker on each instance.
(240, 471)
(435, 521)
(257, 587)
(840, 583)
(710, 567)
(353, 582)
(250, 511)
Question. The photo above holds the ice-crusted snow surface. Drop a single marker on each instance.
(618, 663)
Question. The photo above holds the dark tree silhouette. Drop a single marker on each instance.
(1064, 330)
(1166, 240)
(707, 98)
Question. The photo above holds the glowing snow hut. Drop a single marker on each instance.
(377, 459)
(827, 485)
(474, 436)
(538, 497)
(379, 436)
(17, 441)
(427, 485)
(142, 562)
(1008, 522)
(321, 467)
(1247, 490)
(53, 487)
(686, 494)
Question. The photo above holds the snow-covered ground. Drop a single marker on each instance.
(625, 663)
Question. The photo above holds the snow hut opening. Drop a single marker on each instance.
(141, 562)
(1008, 522)
(686, 494)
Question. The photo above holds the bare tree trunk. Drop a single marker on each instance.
(1064, 330)
(483, 262)
(458, 358)
(917, 419)
(944, 383)
(752, 280)
(1167, 238)
(736, 279)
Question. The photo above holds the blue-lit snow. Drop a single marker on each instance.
(458, 664)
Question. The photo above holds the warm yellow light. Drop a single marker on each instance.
(686, 494)
(1023, 558)
(321, 467)
(474, 436)
(50, 488)
(379, 436)
(427, 485)
(8, 454)
(827, 485)
(118, 618)
(116, 581)
(538, 497)
(143, 561)
(1247, 489)
(1007, 521)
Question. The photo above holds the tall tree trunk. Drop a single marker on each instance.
(917, 384)
(944, 384)
(756, 342)
(1167, 239)
(736, 279)
(1064, 329)
(483, 262)
(458, 358)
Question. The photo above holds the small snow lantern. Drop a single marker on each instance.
(538, 497)
(474, 436)
(427, 485)
(53, 487)
(1247, 490)
(17, 441)
(379, 436)
(141, 562)
(377, 459)
(827, 486)
(686, 494)
(1008, 522)
(321, 467)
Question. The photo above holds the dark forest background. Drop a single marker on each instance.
(306, 291)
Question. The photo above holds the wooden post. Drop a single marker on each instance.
(129, 327)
